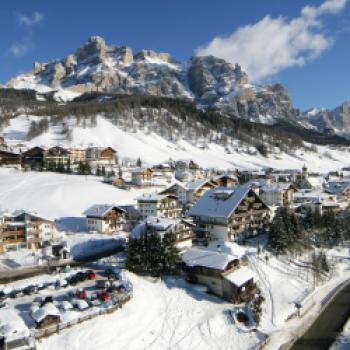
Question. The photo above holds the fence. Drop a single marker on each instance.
(42, 333)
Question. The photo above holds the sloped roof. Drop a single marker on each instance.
(240, 276)
(195, 184)
(47, 310)
(154, 197)
(100, 210)
(12, 326)
(219, 202)
(337, 187)
(206, 258)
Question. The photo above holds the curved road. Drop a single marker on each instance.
(325, 329)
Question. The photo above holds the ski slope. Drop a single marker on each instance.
(152, 148)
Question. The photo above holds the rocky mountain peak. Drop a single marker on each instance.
(209, 81)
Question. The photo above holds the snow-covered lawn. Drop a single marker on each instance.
(168, 314)
(58, 195)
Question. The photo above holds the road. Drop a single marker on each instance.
(17, 274)
(325, 329)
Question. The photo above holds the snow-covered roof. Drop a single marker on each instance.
(196, 184)
(337, 187)
(158, 224)
(206, 258)
(48, 309)
(240, 276)
(100, 210)
(220, 201)
(153, 197)
(227, 247)
(12, 326)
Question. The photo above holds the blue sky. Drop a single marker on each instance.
(308, 52)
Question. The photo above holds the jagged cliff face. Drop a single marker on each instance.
(209, 81)
(331, 121)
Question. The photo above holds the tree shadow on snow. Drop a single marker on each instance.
(71, 224)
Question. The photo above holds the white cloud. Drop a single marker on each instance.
(32, 20)
(19, 49)
(273, 44)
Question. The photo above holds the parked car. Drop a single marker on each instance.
(94, 302)
(112, 274)
(30, 290)
(81, 276)
(104, 296)
(73, 280)
(15, 293)
(3, 295)
(65, 305)
(80, 304)
(102, 284)
(91, 274)
(48, 299)
(41, 286)
(81, 294)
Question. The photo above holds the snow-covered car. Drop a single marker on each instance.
(80, 304)
(65, 305)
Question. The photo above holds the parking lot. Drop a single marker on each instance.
(53, 302)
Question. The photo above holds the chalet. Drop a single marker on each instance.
(158, 205)
(225, 180)
(101, 156)
(77, 155)
(230, 214)
(132, 216)
(220, 272)
(191, 191)
(12, 235)
(46, 316)
(34, 158)
(187, 170)
(10, 159)
(181, 229)
(56, 156)
(341, 189)
(105, 218)
(278, 194)
(163, 174)
(24, 230)
(142, 176)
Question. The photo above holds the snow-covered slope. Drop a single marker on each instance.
(156, 319)
(56, 195)
(152, 148)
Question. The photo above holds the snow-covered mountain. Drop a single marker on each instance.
(209, 81)
(331, 121)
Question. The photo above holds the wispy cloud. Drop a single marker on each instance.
(274, 44)
(30, 20)
(19, 49)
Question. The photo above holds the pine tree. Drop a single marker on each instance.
(171, 252)
(139, 162)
